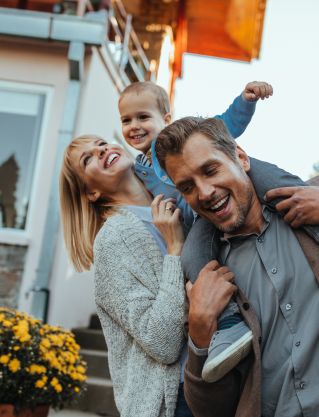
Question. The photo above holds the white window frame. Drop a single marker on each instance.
(23, 237)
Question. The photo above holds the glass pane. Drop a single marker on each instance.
(20, 121)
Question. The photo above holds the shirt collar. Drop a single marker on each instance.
(267, 215)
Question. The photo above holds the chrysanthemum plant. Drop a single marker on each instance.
(39, 364)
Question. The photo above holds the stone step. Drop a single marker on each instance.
(90, 338)
(98, 398)
(97, 363)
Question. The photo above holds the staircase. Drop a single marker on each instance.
(99, 395)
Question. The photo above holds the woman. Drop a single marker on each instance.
(139, 285)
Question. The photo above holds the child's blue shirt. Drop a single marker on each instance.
(236, 118)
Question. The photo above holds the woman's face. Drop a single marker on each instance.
(101, 166)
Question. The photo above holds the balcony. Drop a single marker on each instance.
(109, 28)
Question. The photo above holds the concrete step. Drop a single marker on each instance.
(90, 338)
(98, 398)
(97, 363)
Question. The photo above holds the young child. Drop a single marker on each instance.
(145, 110)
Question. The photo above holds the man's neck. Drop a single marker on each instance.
(254, 220)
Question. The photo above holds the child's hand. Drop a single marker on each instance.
(166, 218)
(300, 204)
(256, 90)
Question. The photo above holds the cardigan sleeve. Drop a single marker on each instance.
(153, 318)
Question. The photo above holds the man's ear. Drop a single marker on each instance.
(168, 119)
(93, 196)
(243, 158)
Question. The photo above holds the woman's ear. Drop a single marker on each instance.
(243, 158)
(93, 196)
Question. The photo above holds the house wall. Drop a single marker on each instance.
(32, 63)
(72, 300)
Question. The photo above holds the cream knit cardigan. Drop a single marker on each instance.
(140, 301)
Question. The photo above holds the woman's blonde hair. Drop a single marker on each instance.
(81, 218)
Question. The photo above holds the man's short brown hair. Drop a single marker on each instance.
(172, 139)
(162, 99)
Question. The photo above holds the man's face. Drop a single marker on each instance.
(214, 185)
(141, 119)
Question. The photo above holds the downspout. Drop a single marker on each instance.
(40, 290)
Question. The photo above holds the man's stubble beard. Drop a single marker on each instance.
(242, 211)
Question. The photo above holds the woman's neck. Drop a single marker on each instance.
(132, 192)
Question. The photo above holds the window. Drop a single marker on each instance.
(21, 115)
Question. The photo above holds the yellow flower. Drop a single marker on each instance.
(4, 359)
(54, 382)
(58, 387)
(37, 369)
(21, 331)
(39, 383)
(7, 323)
(76, 389)
(14, 365)
(45, 343)
(81, 369)
(16, 348)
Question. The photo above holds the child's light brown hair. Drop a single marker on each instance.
(159, 93)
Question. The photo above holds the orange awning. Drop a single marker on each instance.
(223, 28)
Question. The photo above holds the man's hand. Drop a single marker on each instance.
(208, 297)
(301, 204)
(256, 90)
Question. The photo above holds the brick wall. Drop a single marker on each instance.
(11, 269)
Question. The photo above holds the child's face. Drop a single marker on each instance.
(141, 119)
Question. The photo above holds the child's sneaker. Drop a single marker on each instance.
(227, 348)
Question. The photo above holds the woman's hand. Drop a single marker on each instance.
(167, 218)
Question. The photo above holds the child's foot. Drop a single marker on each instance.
(227, 348)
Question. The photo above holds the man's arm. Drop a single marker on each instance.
(208, 296)
(240, 112)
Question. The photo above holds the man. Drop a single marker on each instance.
(276, 268)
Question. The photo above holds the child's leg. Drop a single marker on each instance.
(232, 341)
(266, 176)
(200, 247)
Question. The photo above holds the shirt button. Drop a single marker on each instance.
(288, 307)
(260, 239)
(144, 173)
(274, 270)
(297, 343)
(246, 306)
(302, 385)
(164, 177)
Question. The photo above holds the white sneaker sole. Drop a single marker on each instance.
(228, 359)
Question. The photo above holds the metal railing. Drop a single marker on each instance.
(127, 50)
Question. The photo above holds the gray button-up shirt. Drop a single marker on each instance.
(274, 274)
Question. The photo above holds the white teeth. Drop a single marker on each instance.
(219, 204)
(111, 158)
(138, 136)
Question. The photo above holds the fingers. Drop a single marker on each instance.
(212, 265)
(257, 90)
(162, 208)
(293, 217)
(280, 192)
